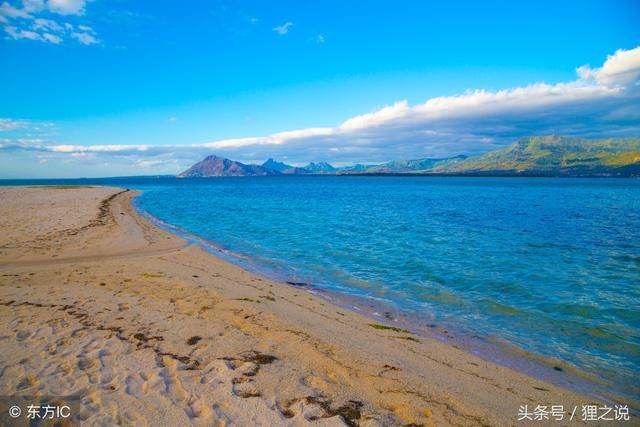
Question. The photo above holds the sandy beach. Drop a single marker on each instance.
(98, 302)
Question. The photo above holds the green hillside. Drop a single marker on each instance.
(554, 155)
(419, 165)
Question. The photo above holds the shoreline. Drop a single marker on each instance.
(279, 355)
(490, 349)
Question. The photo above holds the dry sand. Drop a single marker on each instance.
(96, 301)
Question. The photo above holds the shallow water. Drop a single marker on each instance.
(551, 266)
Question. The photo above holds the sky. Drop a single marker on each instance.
(123, 87)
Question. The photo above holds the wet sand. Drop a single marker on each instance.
(98, 302)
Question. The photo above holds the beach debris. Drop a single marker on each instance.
(388, 368)
(248, 300)
(299, 284)
(249, 361)
(408, 339)
(257, 357)
(389, 328)
(152, 275)
(194, 340)
(350, 411)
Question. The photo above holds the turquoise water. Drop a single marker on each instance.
(551, 266)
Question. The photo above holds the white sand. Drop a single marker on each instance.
(96, 301)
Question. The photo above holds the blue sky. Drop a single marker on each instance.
(103, 88)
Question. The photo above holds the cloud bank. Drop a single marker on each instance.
(601, 102)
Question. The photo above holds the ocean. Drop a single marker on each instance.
(547, 267)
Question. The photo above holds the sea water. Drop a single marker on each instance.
(550, 266)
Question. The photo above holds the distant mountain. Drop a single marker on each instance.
(355, 168)
(219, 166)
(296, 171)
(530, 156)
(284, 168)
(276, 166)
(320, 167)
(405, 166)
(553, 156)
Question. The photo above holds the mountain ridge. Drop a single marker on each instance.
(284, 168)
(554, 156)
(550, 155)
(212, 166)
(320, 167)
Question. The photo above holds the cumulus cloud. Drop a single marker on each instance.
(275, 139)
(46, 24)
(40, 20)
(8, 12)
(620, 69)
(601, 102)
(17, 34)
(67, 7)
(84, 37)
(12, 124)
(283, 29)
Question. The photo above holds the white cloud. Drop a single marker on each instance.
(52, 38)
(67, 7)
(83, 155)
(620, 69)
(147, 164)
(319, 39)
(84, 38)
(7, 12)
(283, 29)
(66, 148)
(12, 124)
(17, 34)
(33, 5)
(600, 102)
(395, 111)
(46, 24)
(615, 78)
(26, 22)
(275, 139)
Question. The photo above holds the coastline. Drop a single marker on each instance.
(494, 349)
(500, 352)
(265, 352)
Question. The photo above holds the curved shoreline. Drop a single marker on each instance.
(200, 339)
(498, 351)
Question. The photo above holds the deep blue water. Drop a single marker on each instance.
(551, 266)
